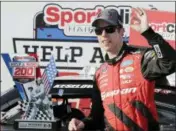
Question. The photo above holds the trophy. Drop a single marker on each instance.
(37, 111)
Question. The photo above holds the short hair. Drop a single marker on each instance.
(30, 88)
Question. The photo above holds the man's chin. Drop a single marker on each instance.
(107, 49)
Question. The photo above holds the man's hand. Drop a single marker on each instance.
(75, 125)
(139, 21)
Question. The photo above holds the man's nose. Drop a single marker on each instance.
(104, 33)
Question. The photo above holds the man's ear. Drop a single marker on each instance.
(122, 31)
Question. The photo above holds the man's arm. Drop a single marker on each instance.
(96, 117)
(159, 61)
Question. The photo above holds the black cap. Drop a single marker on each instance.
(110, 16)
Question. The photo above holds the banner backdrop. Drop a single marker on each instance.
(54, 23)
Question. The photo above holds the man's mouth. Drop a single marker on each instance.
(105, 41)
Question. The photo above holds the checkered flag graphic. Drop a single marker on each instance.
(43, 115)
(23, 105)
(37, 111)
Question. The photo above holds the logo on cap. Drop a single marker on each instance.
(110, 15)
(100, 14)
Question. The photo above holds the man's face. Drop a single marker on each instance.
(38, 81)
(30, 89)
(110, 42)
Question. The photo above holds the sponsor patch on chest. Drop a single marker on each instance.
(126, 63)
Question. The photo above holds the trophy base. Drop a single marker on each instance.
(26, 125)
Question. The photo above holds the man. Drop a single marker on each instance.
(39, 90)
(123, 96)
(30, 89)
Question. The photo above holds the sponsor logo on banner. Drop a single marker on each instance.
(23, 68)
(165, 29)
(164, 25)
(78, 21)
(73, 86)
